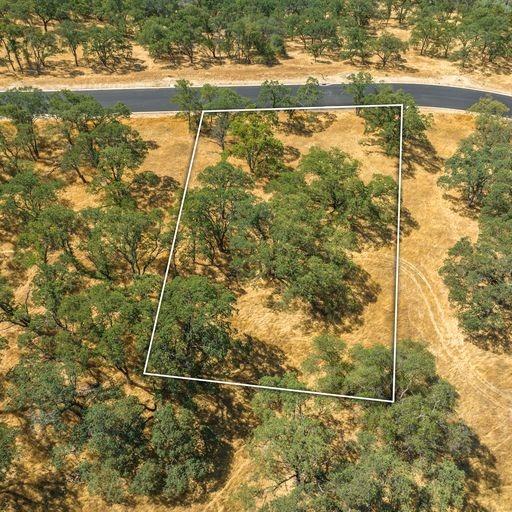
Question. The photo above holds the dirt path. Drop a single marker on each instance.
(450, 341)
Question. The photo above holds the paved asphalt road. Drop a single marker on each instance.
(160, 99)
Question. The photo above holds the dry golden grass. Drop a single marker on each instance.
(62, 73)
(170, 134)
(483, 379)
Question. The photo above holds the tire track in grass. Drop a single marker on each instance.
(461, 363)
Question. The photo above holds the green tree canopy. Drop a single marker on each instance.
(22, 106)
(305, 257)
(217, 125)
(193, 334)
(25, 196)
(255, 142)
(120, 241)
(482, 155)
(478, 273)
(358, 86)
(480, 282)
(73, 35)
(108, 45)
(384, 122)
(7, 449)
(96, 138)
(389, 48)
(274, 94)
(179, 446)
(223, 218)
(366, 211)
(410, 455)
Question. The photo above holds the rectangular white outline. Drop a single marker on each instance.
(397, 257)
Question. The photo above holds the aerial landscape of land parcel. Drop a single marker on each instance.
(352, 172)
(89, 199)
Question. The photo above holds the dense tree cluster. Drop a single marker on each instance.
(191, 100)
(104, 32)
(479, 274)
(85, 322)
(412, 456)
(383, 124)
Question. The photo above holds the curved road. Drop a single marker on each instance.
(426, 95)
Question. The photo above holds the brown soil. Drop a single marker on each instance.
(142, 71)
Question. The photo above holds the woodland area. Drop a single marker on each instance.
(79, 287)
(102, 33)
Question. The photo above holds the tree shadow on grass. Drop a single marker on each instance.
(125, 66)
(499, 67)
(306, 123)
(407, 222)
(420, 155)
(377, 236)
(460, 206)
(152, 191)
(495, 341)
(345, 317)
(399, 65)
(37, 493)
(481, 472)
(251, 359)
(248, 360)
(291, 154)
(364, 291)
(8, 235)
(57, 68)
(201, 61)
(225, 410)
(416, 155)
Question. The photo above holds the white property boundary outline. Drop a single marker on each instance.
(397, 258)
